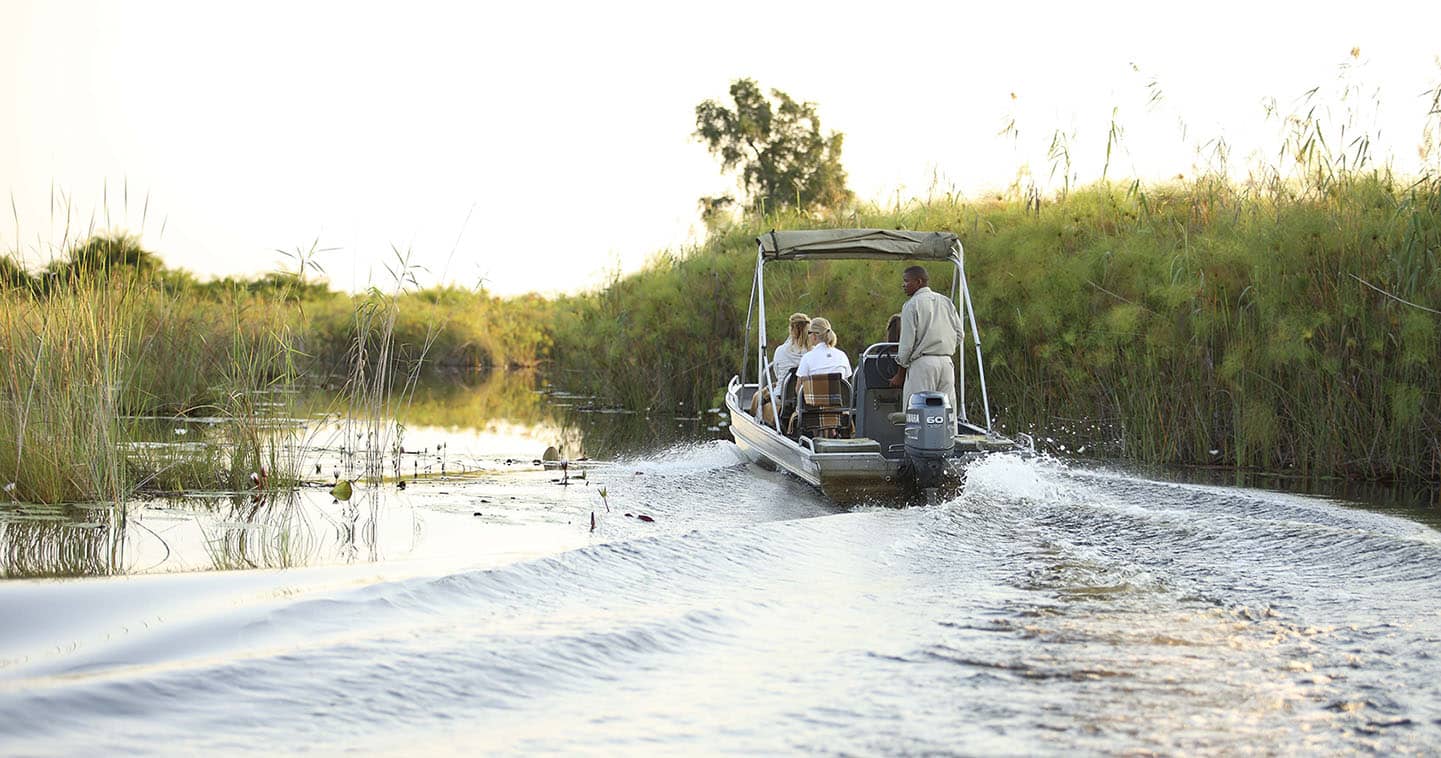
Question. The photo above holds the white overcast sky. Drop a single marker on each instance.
(540, 145)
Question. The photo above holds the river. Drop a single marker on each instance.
(1054, 607)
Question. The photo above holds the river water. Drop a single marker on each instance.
(1054, 607)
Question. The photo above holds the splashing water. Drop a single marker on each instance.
(1049, 608)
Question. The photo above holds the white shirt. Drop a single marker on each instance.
(824, 359)
(787, 357)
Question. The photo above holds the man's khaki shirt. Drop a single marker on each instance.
(930, 325)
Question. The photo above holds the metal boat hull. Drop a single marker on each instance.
(845, 477)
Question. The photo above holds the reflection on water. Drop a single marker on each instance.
(463, 452)
(456, 435)
(1415, 501)
(457, 431)
(59, 541)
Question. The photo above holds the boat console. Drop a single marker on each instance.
(876, 399)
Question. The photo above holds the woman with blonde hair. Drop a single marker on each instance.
(823, 357)
(788, 354)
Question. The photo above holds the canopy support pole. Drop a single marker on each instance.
(976, 334)
(761, 379)
(750, 311)
(960, 348)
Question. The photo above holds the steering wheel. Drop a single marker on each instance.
(886, 364)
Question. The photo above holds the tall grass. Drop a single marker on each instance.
(62, 373)
(105, 343)
(85, 370)
(1283, 325)
(1288, 320)
(89, 357)
(377, 382)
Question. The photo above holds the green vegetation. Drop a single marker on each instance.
(1284, 326)
(89, 365)
(1290, 322)
(107, 354)
(1288, 325)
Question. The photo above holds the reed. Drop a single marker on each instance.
(1288, 321)
(60, 429)
(1284, 326)
(105, 344)
(383, 371)
(95, 351)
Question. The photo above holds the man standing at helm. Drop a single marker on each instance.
(930, 334)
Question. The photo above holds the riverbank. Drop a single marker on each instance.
(1281, 327)
(1291, 327)
(107, 353)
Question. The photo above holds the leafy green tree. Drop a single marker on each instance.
(776, 143)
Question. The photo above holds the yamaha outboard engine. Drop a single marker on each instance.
(930, 436)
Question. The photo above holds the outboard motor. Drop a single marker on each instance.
(930, 436)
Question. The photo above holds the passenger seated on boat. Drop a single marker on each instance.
(823, 407)
(782, 370)
(761, 403)
(788, 355)
(823, 357)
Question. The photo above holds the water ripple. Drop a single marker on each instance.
(1047, 610)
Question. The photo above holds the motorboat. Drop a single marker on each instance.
(857, 439)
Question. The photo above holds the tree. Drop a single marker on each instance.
(784, 160)
(104, 254)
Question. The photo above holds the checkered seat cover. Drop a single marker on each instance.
(823, 406)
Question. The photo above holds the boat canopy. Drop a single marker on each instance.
(862, 244)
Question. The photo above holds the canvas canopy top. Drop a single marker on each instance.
(857, 244)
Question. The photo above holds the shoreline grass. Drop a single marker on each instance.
(1272, 327)
(1287, 322)
(106, 335)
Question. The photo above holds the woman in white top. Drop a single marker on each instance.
(788, 354)
(823, 357)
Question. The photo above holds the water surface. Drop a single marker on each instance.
(1051, 608)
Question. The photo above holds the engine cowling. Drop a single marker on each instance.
(930, 436)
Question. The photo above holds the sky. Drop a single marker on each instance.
(546, 146)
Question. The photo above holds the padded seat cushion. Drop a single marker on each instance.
(859, 445)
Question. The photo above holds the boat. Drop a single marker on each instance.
(864, 445)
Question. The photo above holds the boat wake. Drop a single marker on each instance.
(1050, 607)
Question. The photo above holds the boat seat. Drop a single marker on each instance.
(823, 407)
(787, 396)
(857, 445)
